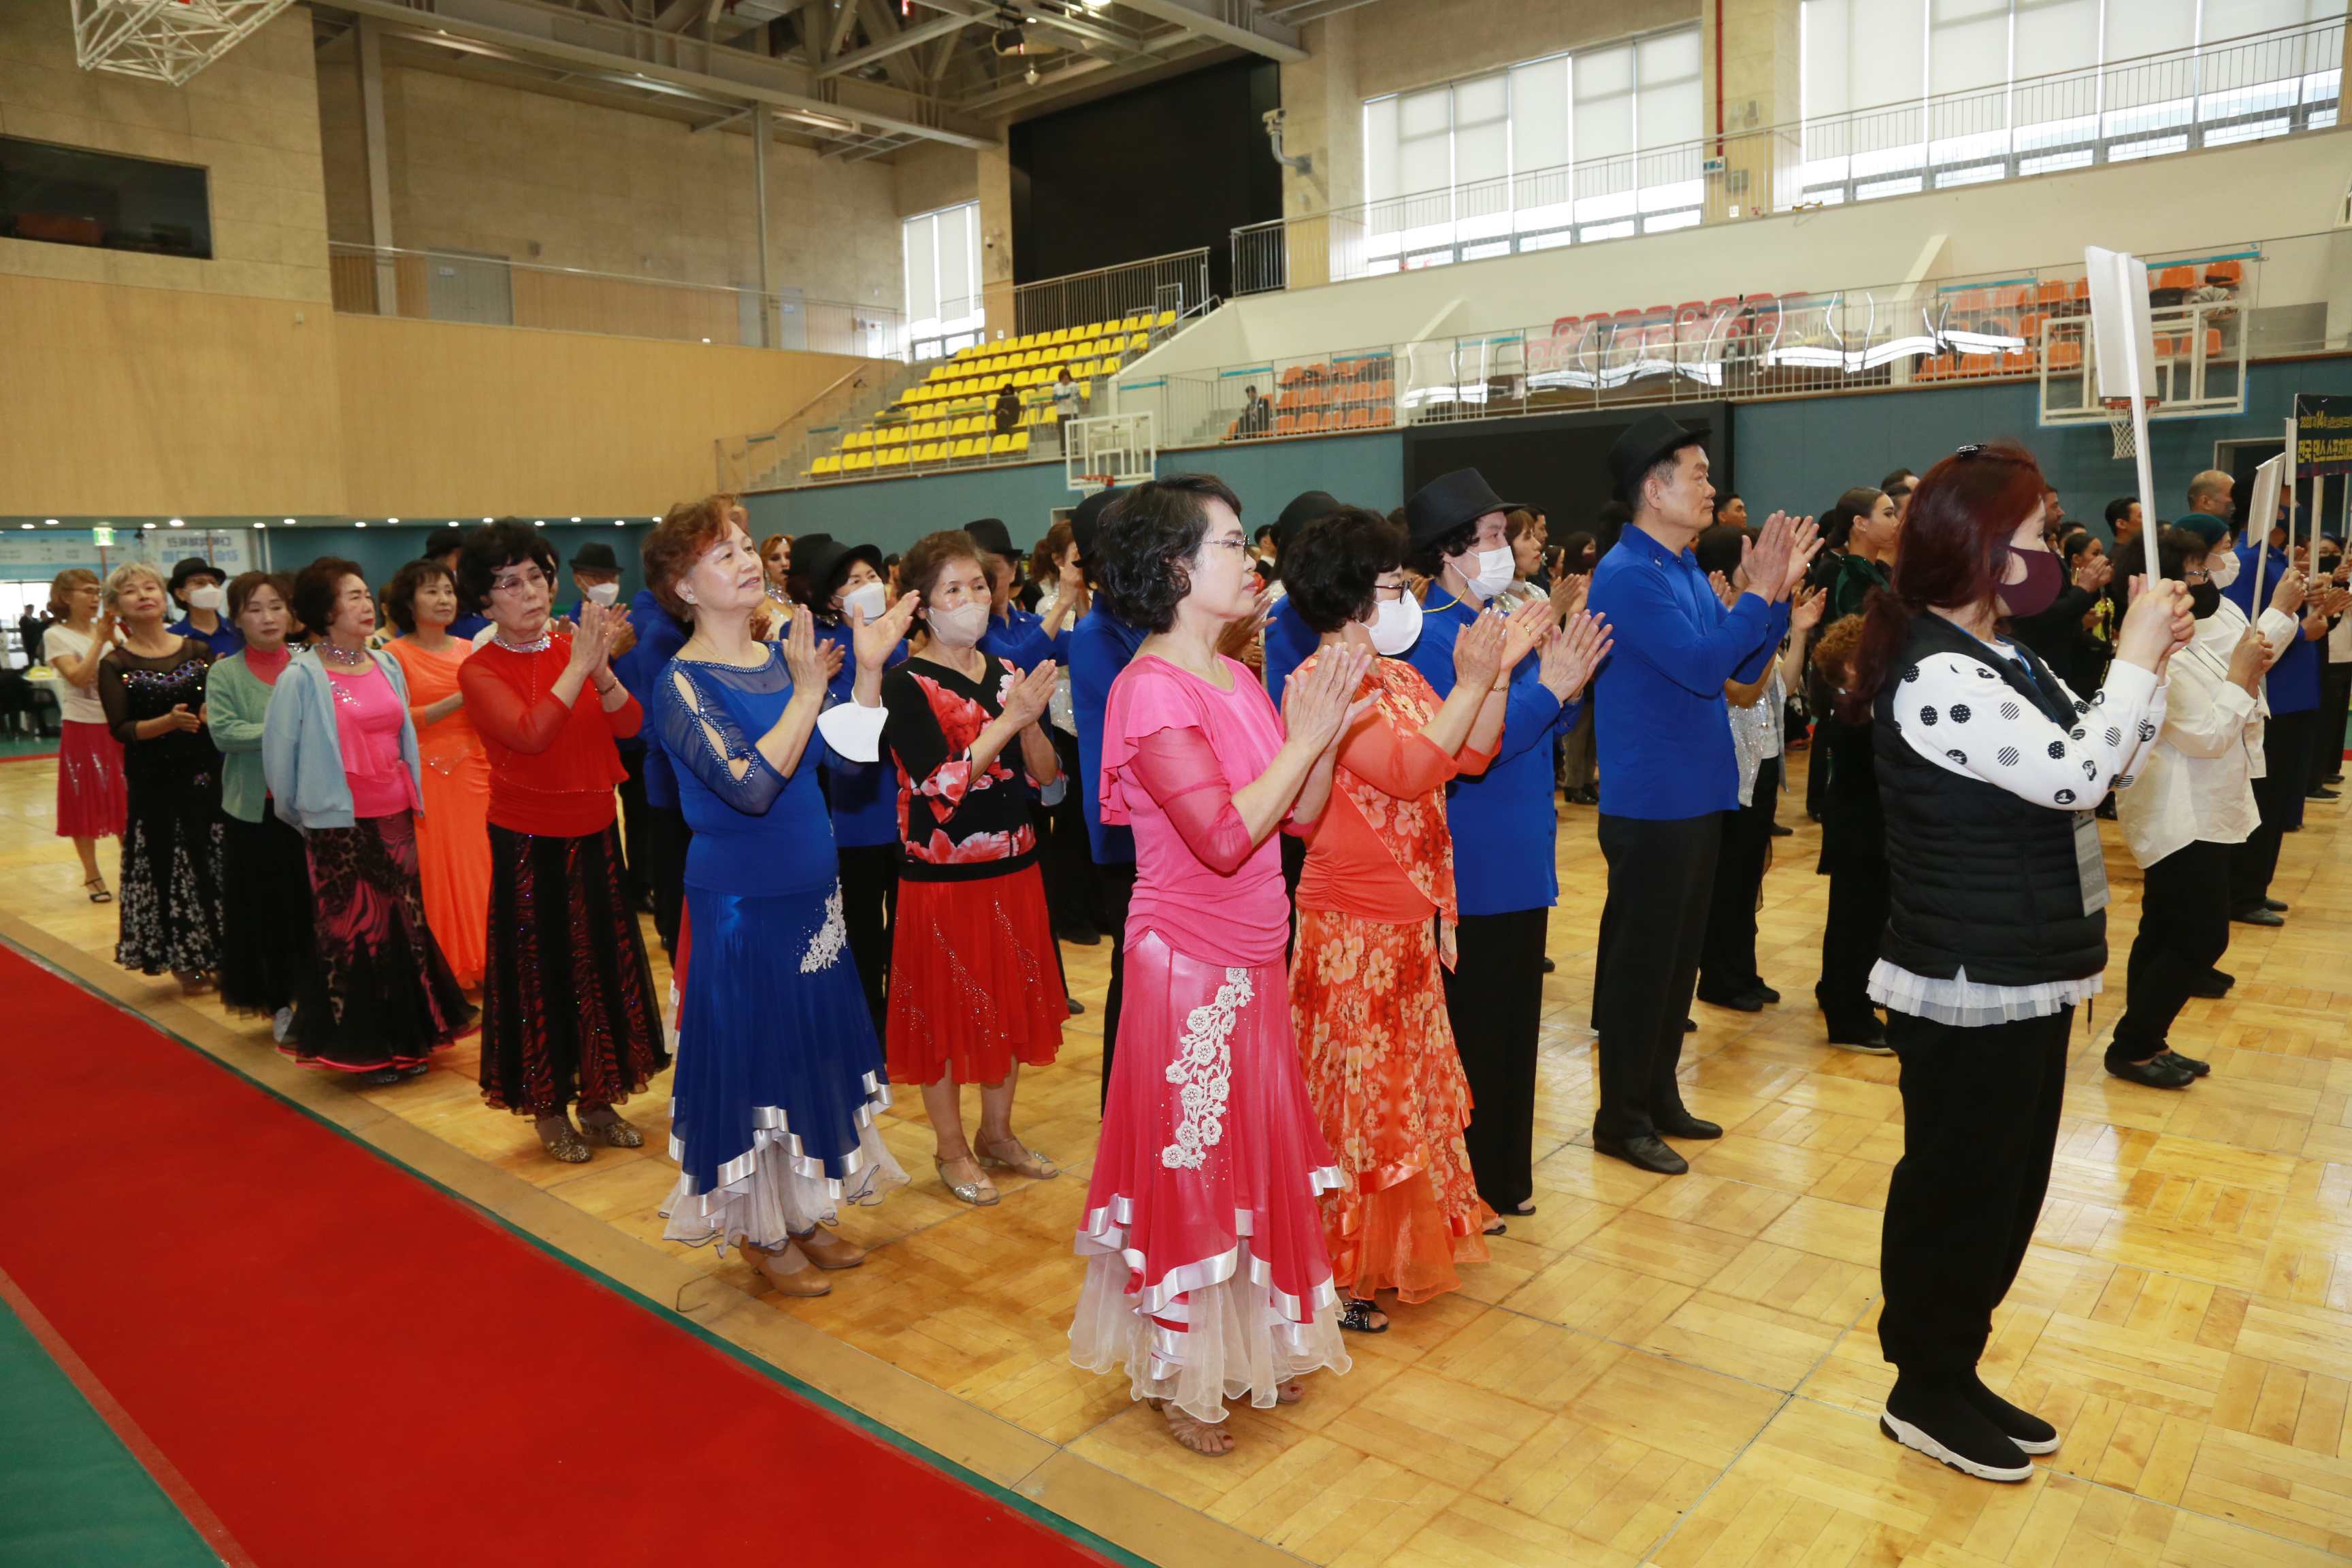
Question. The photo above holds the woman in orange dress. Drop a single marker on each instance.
(453, 835)
(1376, 918)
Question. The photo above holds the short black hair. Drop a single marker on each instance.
(2119, 510)
(316, 588)
(1331, 566)
(494, 547)
(442, 540)
(1144, 540)
(400, 593)
(1898, 478)
(2174, 548)
(1427, 556)
(1717, 547)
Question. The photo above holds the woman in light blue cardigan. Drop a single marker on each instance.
(338, 753)
(265, 916)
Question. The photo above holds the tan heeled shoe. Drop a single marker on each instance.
(617, 1134)
(1030, 1164)
(804, 1280)
(980, 1195)
(828, 1251)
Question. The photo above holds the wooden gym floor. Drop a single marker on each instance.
(1679, 1372)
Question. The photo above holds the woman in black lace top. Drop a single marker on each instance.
(153, 688)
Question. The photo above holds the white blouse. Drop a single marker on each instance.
(1965, 720)
(75, 704)
(2196, 783)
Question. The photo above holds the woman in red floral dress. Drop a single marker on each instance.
(1376, 918)
(974, 989)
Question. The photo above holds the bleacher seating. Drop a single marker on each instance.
(949, 418)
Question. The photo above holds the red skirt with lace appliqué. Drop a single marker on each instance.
(1206, 1272)
(1369, 1004)
(974, 983)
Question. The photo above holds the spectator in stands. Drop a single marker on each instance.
(1067, 405)
(1504, 823)
(1998, 927)
(1257, 414)
(197, 589)
(2123, 521)
(1871, 536)
(443, 545)
(1672, 769)
(1007, 410)
(1853, 855)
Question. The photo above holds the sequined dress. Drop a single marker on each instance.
(171, 836)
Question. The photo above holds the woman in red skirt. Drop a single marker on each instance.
(974, 989)
(90, 796)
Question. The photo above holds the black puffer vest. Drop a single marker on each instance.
(1978, 877)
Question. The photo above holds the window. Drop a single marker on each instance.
(1483, 166)
(1896, 89)
(943, 298)
(70, 196)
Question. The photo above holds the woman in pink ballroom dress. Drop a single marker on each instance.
(1206, 1273)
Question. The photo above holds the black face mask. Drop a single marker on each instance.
(2203, 599)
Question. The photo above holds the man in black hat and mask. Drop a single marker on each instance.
(1022, 636)
(196, 589)
(1505, 874)
(1670, 774)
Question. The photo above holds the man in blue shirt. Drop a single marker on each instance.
(664, 837)
(1101, 645)
(1025, 637)
(1669, 771)
(1504, 823)
(196, 589)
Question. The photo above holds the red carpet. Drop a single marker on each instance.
(350, 1367)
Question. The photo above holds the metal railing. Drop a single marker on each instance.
(457, 286)
(2030, 325)
(2266, 84)
(1177, 283)
(767, 459)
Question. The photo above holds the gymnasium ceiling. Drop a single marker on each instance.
(856, 78)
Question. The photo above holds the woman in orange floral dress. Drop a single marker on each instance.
(452, 832)
(1376, 917)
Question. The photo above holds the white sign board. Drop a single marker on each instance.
(2123, 338)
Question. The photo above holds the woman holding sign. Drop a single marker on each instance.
(1988, 768)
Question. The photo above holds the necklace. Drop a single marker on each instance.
(539, 644)
(351, 658)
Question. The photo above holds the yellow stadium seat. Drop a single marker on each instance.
(1020, 440)
(890, 457)
(962, 448)
(1167, 318)
(929, 454)
(1087, 389)
(1000, 444)
(827, 465)
(860, 460)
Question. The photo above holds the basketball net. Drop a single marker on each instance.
(2119, 425)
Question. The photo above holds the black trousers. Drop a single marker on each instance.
(664, 835)
(2278, 797)
(1068, 867)
(1726, 956)
(1294, 865)
(636, 878)
(869, 903)
(1114, 890)
(2335, 705)
(1493, 998)
(1819, 699)
(1850, 938)
(1659, 876)
(2184, 930)
(1979, 1123)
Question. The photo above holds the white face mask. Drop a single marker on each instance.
(872, 598)
(1396, 625)
(606, 593)
(1494, 568)
(2223, 565)
(958, 627)
(205, 596)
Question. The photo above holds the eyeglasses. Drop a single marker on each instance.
(1225, 544)
(2197, 575)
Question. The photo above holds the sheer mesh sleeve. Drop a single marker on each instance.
(707, 741)
(502, 713)
(1178, 768)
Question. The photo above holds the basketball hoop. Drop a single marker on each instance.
(2120, 424)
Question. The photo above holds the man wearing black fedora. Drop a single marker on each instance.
(1669, 770)
(1505, 874)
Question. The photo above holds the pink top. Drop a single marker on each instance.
(267, 666)
(368, 717)
(1240, 917)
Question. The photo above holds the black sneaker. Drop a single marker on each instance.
(2214, 985)
(2028, 1431)
(1739, 1000)
(2196, 1067)
(1940, 1423)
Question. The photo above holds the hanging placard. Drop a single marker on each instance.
(2322, 435)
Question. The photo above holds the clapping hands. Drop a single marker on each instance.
(1776, 560)
(1319, 705)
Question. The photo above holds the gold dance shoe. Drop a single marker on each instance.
(1023, 1161)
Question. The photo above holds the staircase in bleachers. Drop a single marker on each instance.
(949, 419)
